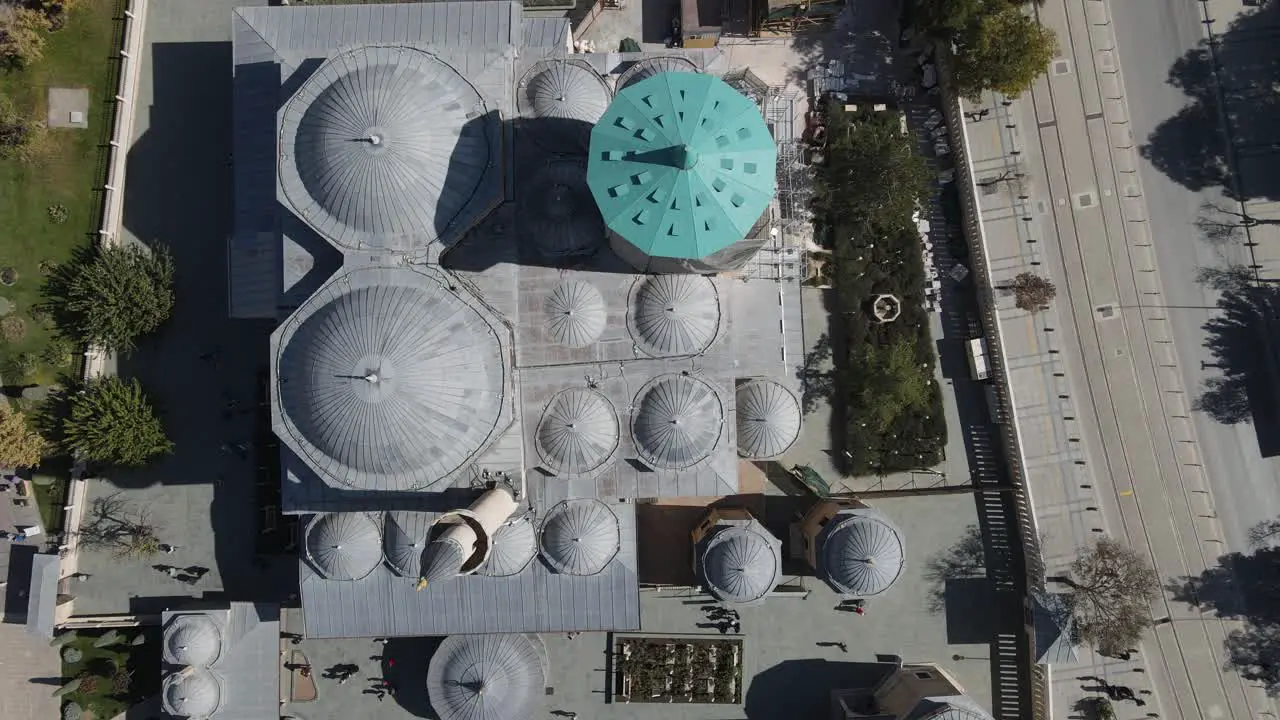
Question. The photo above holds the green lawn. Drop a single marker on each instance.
(79, 55)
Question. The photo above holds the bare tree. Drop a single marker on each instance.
(113, 524)
(1222, 225)
(1264, 534)
(1112, 587)
(1032, 292)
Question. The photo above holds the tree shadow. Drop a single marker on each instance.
(1239, 338)
(817, 376)
(964, 560)
(1190, 147)
(1246, 588)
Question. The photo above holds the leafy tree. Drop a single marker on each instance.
(21, 136)
(112, 296)
(629, 45)
(1003, 51)
(20, 446)
(1032, 292)
(111, 421)
(1112, 588)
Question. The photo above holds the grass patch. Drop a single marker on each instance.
(867, 188)
(114, 678)
(66, 176)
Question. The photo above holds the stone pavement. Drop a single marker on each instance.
(26, 663)
(1107, 442)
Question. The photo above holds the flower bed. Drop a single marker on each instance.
(678, 670)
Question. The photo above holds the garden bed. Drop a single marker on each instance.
(677, 670)
(887, 400)
(112, 678)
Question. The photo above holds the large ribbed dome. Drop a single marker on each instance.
(513, 546)
(389, 379)
(578, 431)
(557, 211)
(192, 640)
(580, 537)
(674, 314)
(768, 419)
(486, 677)
(560, 101)
(344, 546)
(192, 693)
(860, 553)
(404, 537)
(676, 422)
(576, 313)
(741, 563)
(384, 147)
(647, 68)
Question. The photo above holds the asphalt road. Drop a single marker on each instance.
(1150, 37)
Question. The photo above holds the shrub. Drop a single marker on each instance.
(23, 366)
(72, 711)
(58, 214)
(72, 655)
(59, 353)
(89, 683)
(21, 37)
(8, 276)
(13, 329)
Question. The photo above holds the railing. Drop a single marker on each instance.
(108, 234)
(1011, 436)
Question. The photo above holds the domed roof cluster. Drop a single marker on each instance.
(578, 431)
(860, 553)
(560, 101)
(384, 148)
(191, 693)
(741, 564)
(674, 314)
(557, 210)
(514, 545)
(486, 677)
(344, 546)
(677, 421)
(389, 379)
(192, 640)
(580, 537)
(768, 419)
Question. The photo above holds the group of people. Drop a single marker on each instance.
(726, 620)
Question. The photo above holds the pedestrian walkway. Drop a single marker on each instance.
(1107, 444)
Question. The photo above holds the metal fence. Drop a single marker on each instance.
(1011, 438)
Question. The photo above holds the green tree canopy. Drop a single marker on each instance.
(894, 381)
(111, 296)
(1003, 51)
(872, 176)
(20, 446)
(111, 421)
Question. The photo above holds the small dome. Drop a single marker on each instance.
(768, 419)
(578, 431)
(557, 211)
(404, 537)
(344, 546)
(580, 537)
(576, 313)
(389, 379)
(443, 560)
(486, 677)
(675, 314)
(513, 546)
(676, 422)
(647, 68)
(561, 100)
(192, 640)
(382, 148)
(861, 553)
(741, 563)
(192, 693)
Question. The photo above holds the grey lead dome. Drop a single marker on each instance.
(648, 67)
(578, 431)
(514, 545)
(580, 537)
(344, 546)
(677, 421)
(768, 419)
(861, 553)
(561, 100)
(486, 677)
(384, 147)
(674, 315)
(741, 564)
(192, 640)
(192, 693)
(389, 379)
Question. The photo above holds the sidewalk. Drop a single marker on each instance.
(1107, 444)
